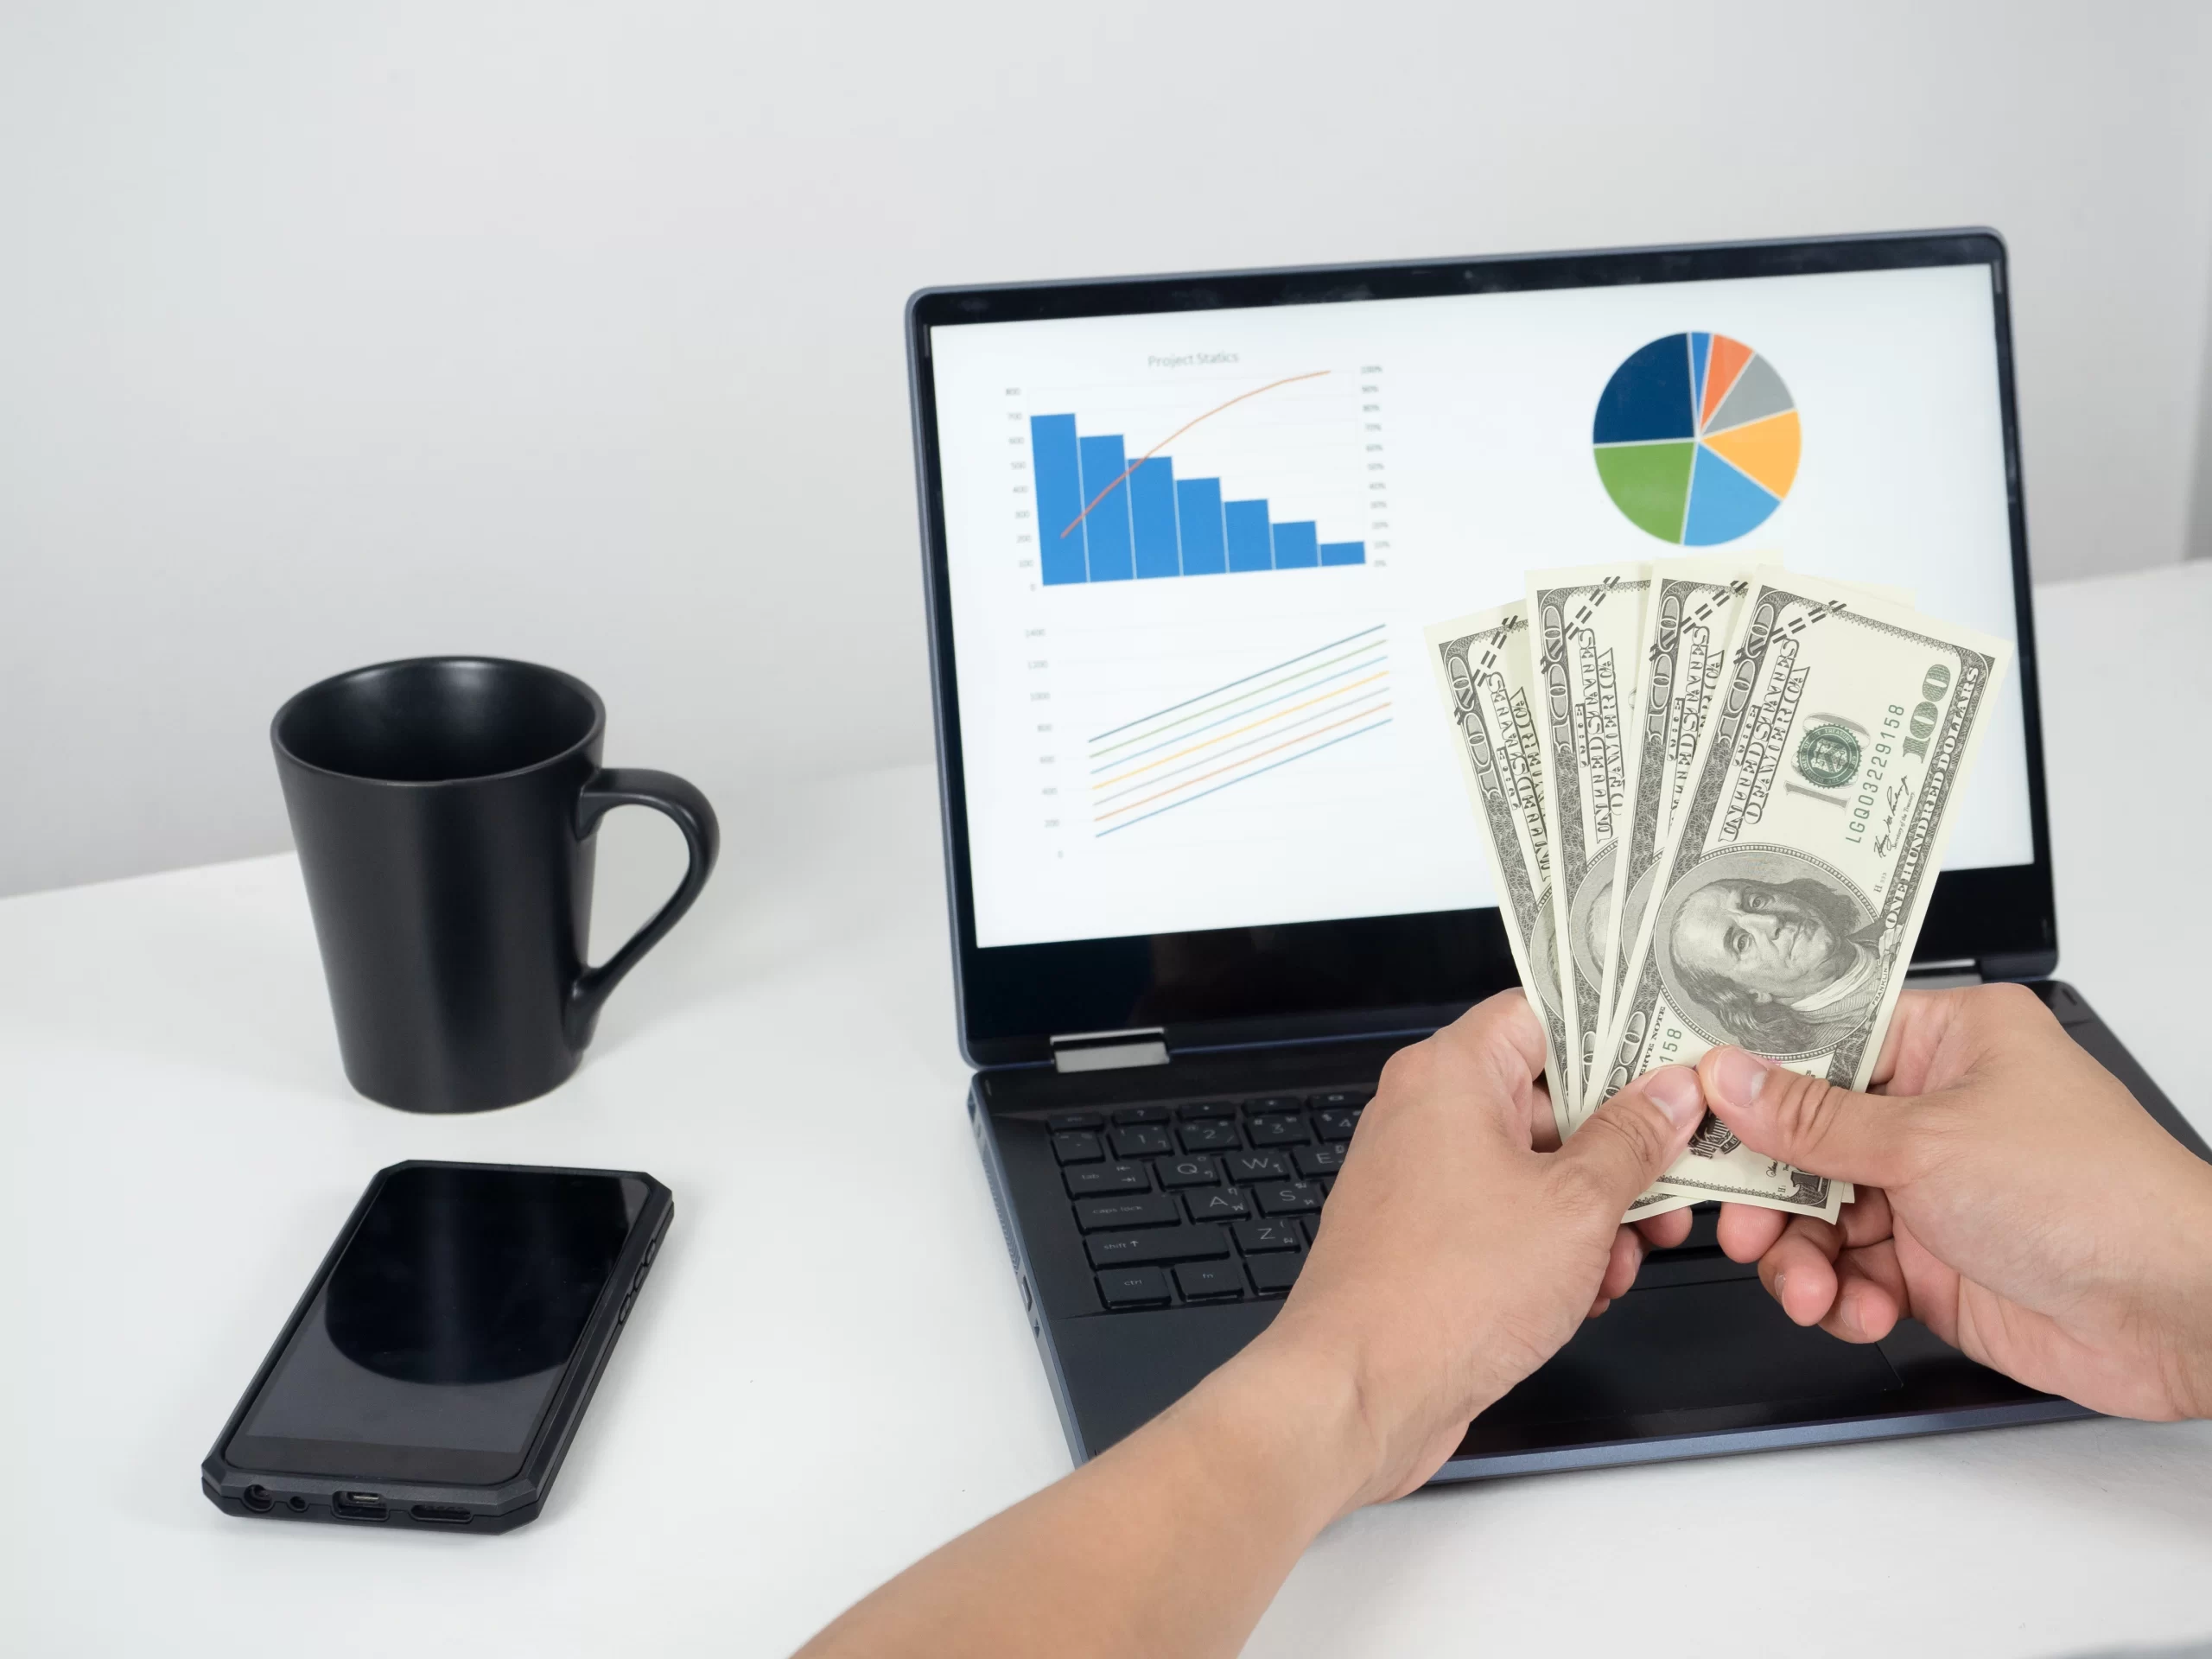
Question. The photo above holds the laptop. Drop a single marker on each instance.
(1208, 858)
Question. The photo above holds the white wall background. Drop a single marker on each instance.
(336, 333)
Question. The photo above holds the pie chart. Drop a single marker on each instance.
(1696, 438)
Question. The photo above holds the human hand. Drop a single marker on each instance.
(1457, 1255)
(1454, 1258)
(2012, 1196)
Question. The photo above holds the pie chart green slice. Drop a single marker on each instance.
(1649, 483)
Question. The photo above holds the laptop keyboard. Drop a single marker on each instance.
(1215, 1201)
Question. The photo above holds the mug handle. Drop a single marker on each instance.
(664, 792)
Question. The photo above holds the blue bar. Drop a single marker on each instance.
(1060, 498)
(1343, 552)
(1107, 526)
(1249, 547)
(1152, 513)
(1296, 545)
(1197, 502)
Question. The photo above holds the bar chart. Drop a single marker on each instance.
(1105, 514)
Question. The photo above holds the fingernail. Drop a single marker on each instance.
(1675, 1089)
(1737, 1077)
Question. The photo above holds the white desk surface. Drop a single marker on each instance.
(831, 1373)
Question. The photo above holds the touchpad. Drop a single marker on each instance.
(1690, 1347)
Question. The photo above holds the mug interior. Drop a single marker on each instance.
(436, 719)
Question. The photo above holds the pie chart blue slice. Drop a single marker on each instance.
(1723, 503)
(1649, 397)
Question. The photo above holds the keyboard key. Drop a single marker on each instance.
(1278, 1131)
(1289, 1197)
(1142, 1115)
(1161, 1244)
(1260, 1237)
(1073, 1120)
(1076, 1146)
(1335, 1122)
(1208, 1280)
(1272, 1275)
(1120, 1214)
(1341, 1099)
(1133, 1287)
(1216, 1204)
(1086, 1182)
(1192, 1169)
(1141, 1141)
(1314, 1162)
(1312, 1226)
(1244, 1167)
(1211, 1136)
(1209, 1108)
(1272, 1105)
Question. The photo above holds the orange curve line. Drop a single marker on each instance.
(1238, 731)
(1315, 375)
(1288, 743)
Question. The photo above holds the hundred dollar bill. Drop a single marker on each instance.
(1688, 621)
(1802, 855)
(1484, 668)
(1586, 632)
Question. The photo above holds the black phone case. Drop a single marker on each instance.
(264, 1494)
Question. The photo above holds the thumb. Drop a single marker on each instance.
(1806, 1122)
(1629, 1142)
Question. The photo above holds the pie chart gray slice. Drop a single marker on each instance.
(1758, 393)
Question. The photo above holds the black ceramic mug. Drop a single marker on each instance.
(444, 810)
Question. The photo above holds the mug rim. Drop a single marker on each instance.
(592, 734)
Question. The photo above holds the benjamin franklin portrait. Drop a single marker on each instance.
(1772, 950)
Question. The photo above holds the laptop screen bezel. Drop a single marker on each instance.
(1371, 975)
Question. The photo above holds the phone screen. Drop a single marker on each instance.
(434, 1346)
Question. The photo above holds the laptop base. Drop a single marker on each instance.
(1696, 1361)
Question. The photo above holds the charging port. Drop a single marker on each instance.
(444, 1515)
(358, 1506)
(257, 1499)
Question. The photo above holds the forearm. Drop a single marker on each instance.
(1170, 1544)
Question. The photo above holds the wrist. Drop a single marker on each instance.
(1305, 1396)
(2189, 1304)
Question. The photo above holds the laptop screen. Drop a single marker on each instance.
(1189, 555)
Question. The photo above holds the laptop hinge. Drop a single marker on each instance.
(1942, 975)
(1111, 1051)
(2018, 965)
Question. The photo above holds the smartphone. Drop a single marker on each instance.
(434, 1371)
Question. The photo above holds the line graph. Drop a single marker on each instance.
(1239, 730)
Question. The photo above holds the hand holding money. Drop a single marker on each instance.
(1725, 825)
(1983, 1225)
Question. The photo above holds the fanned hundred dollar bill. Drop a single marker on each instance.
(1802, 855)
(1484, 668)
(1586, 633)
(1689, 621)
